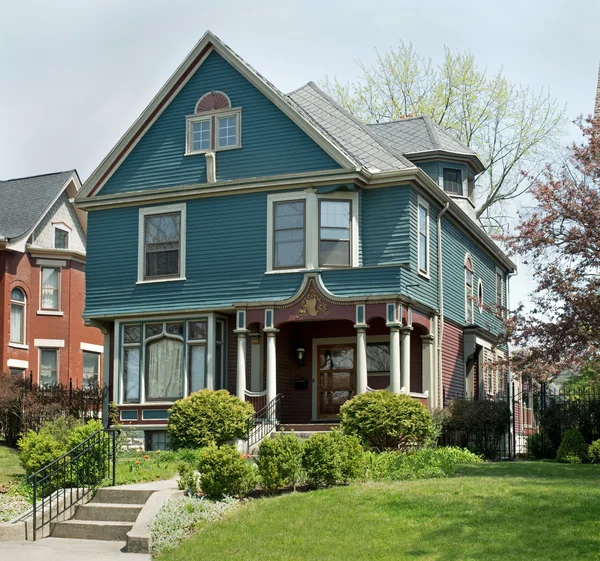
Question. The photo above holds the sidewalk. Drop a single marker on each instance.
(59, 549)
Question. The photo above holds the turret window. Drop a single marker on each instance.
(453, 182)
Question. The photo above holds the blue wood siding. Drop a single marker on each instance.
(271, 143)
(456, 243)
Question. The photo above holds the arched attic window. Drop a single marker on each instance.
(469, 300)
(17, 316)
(215, 125)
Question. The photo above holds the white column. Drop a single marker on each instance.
(427, 345)
(240, 387)
(405, 359)
(395, 380)
(256, 379)
(271, 363)
(361, 358)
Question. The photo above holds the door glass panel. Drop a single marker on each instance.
(336, 379)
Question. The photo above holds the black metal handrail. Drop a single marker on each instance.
(66, 481)
(264, 421)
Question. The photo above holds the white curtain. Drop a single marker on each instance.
(49, 289)
(197, 367)
(164, 369)
(16, 323)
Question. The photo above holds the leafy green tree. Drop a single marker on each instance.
(511, 127)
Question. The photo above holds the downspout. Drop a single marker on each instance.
(440, 402)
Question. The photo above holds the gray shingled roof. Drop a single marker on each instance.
(417, 134)
(24, 200)
(346, 130)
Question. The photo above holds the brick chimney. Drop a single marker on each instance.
(597, 105)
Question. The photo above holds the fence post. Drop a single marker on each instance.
(34, 506)
(114, 457)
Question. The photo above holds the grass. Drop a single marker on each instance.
(507, 511)
(10, 468)
(14, 492)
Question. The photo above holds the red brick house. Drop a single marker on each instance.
(42, 283)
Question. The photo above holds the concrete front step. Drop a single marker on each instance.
(309, 427)
(92, 530)
(108, 511)
(112, 495)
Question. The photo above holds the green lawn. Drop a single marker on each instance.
(10, 468)
(520, 511)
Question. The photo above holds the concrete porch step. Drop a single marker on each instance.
(112, 495)
(108, 512)
(92, 530)
(309, 427)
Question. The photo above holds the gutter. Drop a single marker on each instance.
(440, 334)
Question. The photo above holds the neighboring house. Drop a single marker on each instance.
(42, 283)
(266, 243)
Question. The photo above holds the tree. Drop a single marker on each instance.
(512, 128)
(560, 238)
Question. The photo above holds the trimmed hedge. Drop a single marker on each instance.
(225, 473)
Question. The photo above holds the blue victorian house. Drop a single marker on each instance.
(270, 243)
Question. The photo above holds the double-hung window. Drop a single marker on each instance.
(499, 289)
(50, 299)
(48, 367)
(335, 227)
(196, 355)
(61, 238)
(289, 234)
(162, 243)
(423, 227)
(131, 363)
(17, 316)
(453, 182)
(91, 369)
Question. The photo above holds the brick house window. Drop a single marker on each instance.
(17, 316)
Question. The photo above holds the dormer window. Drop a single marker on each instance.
(215, 125)
(453, 182)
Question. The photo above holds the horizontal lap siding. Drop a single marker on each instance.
(271, 143)
(453, 360)
(456, 243)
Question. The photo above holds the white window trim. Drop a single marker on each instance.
(311, 228)
(22, 344)
(213, 130)
(49, 343)
(502, 274)
(14, 363)
(143, 212)
(63, 228)
(39, 370)
(91, 348)
(469, 300)
(51, 311)
(423, 271)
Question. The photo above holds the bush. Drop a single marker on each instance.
(386, 421)
(331, 458)
(208, 417)
(594, 452)
(478, 425)
(572, 449)
(279, 461)
(224, 472)
(38, 449)
(93, 467)
(427, 463)
(177, 519)
(189, 479)
(536, 451)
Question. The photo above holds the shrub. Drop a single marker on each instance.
(331, 458)
(224, 472)
(428, 463)
(208, 417)
(478, 425)
(189, 479)
(594, 452)
(535, 449)
(386, 421)
(279, 461)
(38, 449)
(177, 519)
(572, 448)
(92, 467)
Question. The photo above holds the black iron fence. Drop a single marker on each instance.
(263, 422)
(64, 483)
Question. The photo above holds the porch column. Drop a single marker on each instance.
(256, 378)
(427, 344)
(395, 380)
(361, 358)
(405, 359)
(240, 387)
(271, 364)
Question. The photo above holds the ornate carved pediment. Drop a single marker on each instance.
(312, 306)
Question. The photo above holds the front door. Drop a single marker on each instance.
(336, 378)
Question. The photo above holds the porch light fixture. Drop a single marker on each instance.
(300, 352)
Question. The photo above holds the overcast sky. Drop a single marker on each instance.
(74, 75)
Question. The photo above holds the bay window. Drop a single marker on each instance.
(131, 363)
(453, 182)
(289, 234)
(50, 299)
(334, 232)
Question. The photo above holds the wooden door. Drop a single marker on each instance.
(336, 378)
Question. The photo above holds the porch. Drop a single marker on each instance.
(318, 352)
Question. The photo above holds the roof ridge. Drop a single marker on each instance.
(403, 120)
(432, 133)
(38, 175)
(359, 123)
